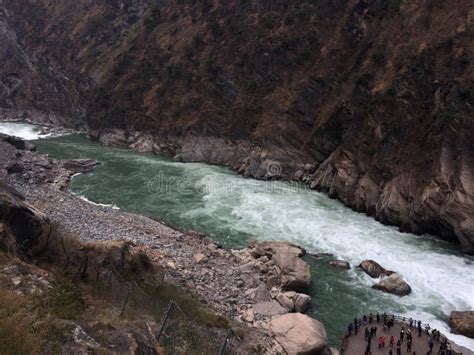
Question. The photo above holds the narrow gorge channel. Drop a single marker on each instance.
(231, 209)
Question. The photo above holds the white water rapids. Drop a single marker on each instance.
(441, 277)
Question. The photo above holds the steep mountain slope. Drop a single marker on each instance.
(368, 100)
(30, 84)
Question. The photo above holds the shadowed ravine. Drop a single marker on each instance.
(231, 209)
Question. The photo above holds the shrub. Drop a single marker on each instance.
(153, 18)
(394, 6)
(63, 300)
(379, 58)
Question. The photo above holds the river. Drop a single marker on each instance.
(231, 209)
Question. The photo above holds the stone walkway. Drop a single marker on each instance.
(356, 344)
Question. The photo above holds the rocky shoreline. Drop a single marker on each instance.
(339, 176)
(253, 286)
(388, 204)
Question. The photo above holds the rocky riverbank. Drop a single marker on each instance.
(339, 177)
(305, 91)
(253, 286)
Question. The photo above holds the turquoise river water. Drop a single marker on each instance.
(231, 209)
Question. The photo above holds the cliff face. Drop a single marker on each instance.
(369, 100)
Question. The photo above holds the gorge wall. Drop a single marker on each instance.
(367, 100)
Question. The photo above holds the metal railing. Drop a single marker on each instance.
(169, 315)
(401, 319)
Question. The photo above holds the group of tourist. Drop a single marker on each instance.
(370, 333)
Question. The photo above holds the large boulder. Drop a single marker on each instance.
(295, 272)
(25, 229)
(293, 301)
(18, 143)
(393, 284)
(374, 269)
(462, 323)
(79, 166)
(299, 334)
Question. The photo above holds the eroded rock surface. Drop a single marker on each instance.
(295, 273)
(340, 264)
(374, 269)
(299, 334)
(24, 228)
(393, 284)
(462, 323)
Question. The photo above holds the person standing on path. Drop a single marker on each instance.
(349, 329)
(402, 334)
(392, 341)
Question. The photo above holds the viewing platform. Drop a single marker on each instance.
(356, 344)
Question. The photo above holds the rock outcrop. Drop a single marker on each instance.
(299, 334)
(18, 159)
(25, 230)
(295, 273)
(374, 269)
(393, 284)
(462, 323)
(390, 282)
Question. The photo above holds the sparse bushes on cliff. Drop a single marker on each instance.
(153, 18)
(378, 58)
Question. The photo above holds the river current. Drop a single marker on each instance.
(231, 209)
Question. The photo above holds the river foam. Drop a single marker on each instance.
(441, 278)
(24, 131)
(231, 209)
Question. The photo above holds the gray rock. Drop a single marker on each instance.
(295, 273)
(302, 302)
(269, 309)
(114, 138)
(144, 144)
(286, 302)
(340, 264)
(299, 334)
(259, 294)
(80, 165)
(374, 269)
(247, 268)
(200, 258)
(462, 323)
(248, 316)
(393, 284)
